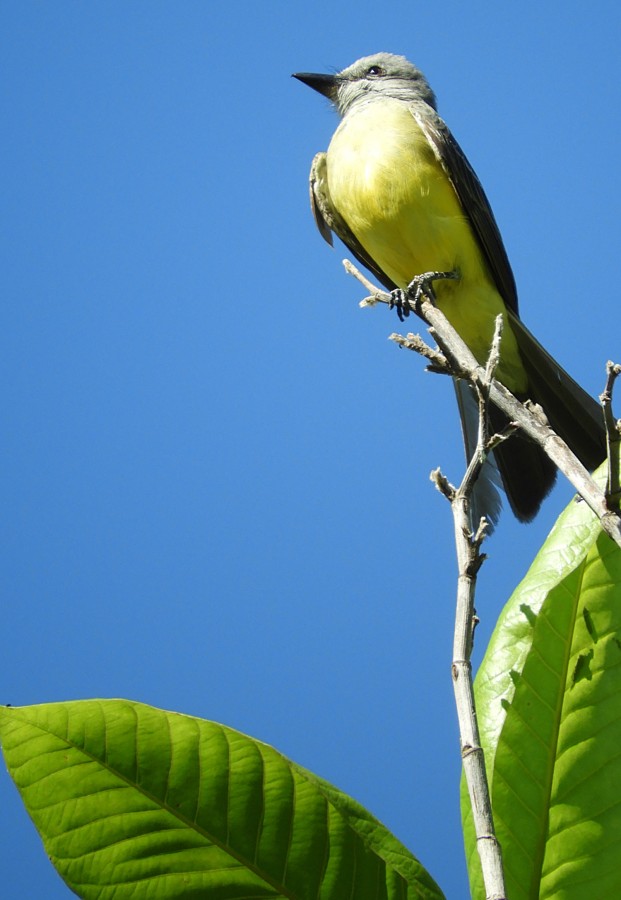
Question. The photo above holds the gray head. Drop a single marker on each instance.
(380, 75)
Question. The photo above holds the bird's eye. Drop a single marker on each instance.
(374, 71)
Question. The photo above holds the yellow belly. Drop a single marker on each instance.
(386, 183)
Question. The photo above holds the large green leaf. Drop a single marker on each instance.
(132, 801)
(549, 706)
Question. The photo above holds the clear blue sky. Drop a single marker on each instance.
(215, 492)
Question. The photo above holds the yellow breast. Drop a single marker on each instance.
(387, 184)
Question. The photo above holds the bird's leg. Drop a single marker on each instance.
(419, 287)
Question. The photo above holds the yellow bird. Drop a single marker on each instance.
(397, 189)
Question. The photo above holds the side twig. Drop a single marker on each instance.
(613, 437)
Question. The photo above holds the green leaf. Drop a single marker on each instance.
(549, 707)
(132, 801)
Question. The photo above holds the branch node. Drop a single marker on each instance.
(437, 361)
(537, 411)
(443, 484)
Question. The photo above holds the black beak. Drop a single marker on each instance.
(324, 84)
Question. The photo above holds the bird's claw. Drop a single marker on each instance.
(400, 301)
(421, 286)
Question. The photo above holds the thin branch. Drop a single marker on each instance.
(527, 416)
(375, 293)
(473, 760)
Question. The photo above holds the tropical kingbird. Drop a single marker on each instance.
(397, 189)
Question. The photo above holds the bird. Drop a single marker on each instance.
(399, 192)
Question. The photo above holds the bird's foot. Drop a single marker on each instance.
(409, 299)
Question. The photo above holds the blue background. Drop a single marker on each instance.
(215, 493)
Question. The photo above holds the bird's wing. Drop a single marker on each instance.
(472, 198)
(328, 220)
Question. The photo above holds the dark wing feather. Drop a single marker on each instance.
(472, 198)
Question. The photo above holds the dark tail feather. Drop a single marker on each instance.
(527, 473)
(572, 413)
